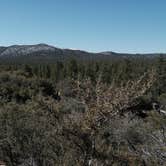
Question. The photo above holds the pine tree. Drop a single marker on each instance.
(161, 71)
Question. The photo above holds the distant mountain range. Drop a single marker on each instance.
(44, 52)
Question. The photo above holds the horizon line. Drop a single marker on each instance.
(78, 49)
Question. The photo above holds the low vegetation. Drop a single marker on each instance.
(83, 113)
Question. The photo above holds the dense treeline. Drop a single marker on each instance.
(117, 71)
(123, 69)
(83, 113)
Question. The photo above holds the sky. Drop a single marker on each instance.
(131, 26)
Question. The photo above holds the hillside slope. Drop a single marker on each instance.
(47, 53)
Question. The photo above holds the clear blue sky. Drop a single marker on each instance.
(93, 25)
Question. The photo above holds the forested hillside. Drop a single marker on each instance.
(43, 53)
(83, 112)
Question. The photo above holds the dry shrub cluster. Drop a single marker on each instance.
(83, 128)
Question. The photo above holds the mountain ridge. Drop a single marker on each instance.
(44, 51)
